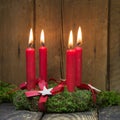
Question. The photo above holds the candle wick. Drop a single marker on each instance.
(43, 44)
(79, 44)
(30, 45)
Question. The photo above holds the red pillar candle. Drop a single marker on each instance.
(30, 63)
(42, 58)
(70, 65)
(78, 59)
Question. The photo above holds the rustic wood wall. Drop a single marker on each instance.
(48, 17)
(114, 44)
(92, 16)
(57, 18)
(16, 18)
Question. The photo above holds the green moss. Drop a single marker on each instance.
(80, 100)
(6, 93)
(107, 98)
(22, 102)
(69, 102)
(63, 102)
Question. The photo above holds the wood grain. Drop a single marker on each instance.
(115, 45)
(48, 17)
(16, 18)
(91, 15)
(57, 18)
(72, 116)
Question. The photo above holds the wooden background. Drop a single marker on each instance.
(100, 24)
(114, 45)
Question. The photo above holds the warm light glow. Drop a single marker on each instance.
(30, 37)
(42, 37)
(79, 36)
(70, 42)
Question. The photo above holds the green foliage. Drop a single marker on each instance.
(69, 101)
(63, 102)
(22, 102)
(80, 100)
(6, 93)
(107, 98)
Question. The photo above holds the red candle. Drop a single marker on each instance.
(70, 65)
(30, 63)
(42, 59)
(78, 59)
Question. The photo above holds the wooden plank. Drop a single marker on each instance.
(72, 116)
(115, 45)
(91, 15)
(16, 18)
(109, 113)
(48, 17)
(101, 36)
(9, 112)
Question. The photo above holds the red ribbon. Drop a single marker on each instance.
(59, 88)
(87, 87)
(23, 85)
(32, 93)
(43, 99)
(81, 86)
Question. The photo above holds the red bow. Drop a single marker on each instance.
(59, 88)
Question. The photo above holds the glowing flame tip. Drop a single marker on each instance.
(70, 43)
(42, 38)
(79, 36)
(30, 37)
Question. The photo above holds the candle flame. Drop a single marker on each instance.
(70, 42)
(30, 37)
(79, 36)
(42, 38)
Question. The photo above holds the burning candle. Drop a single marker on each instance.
(70, 65)
(30, 63)
(78, 59)
(42, 58)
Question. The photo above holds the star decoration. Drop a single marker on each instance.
(46, 91)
